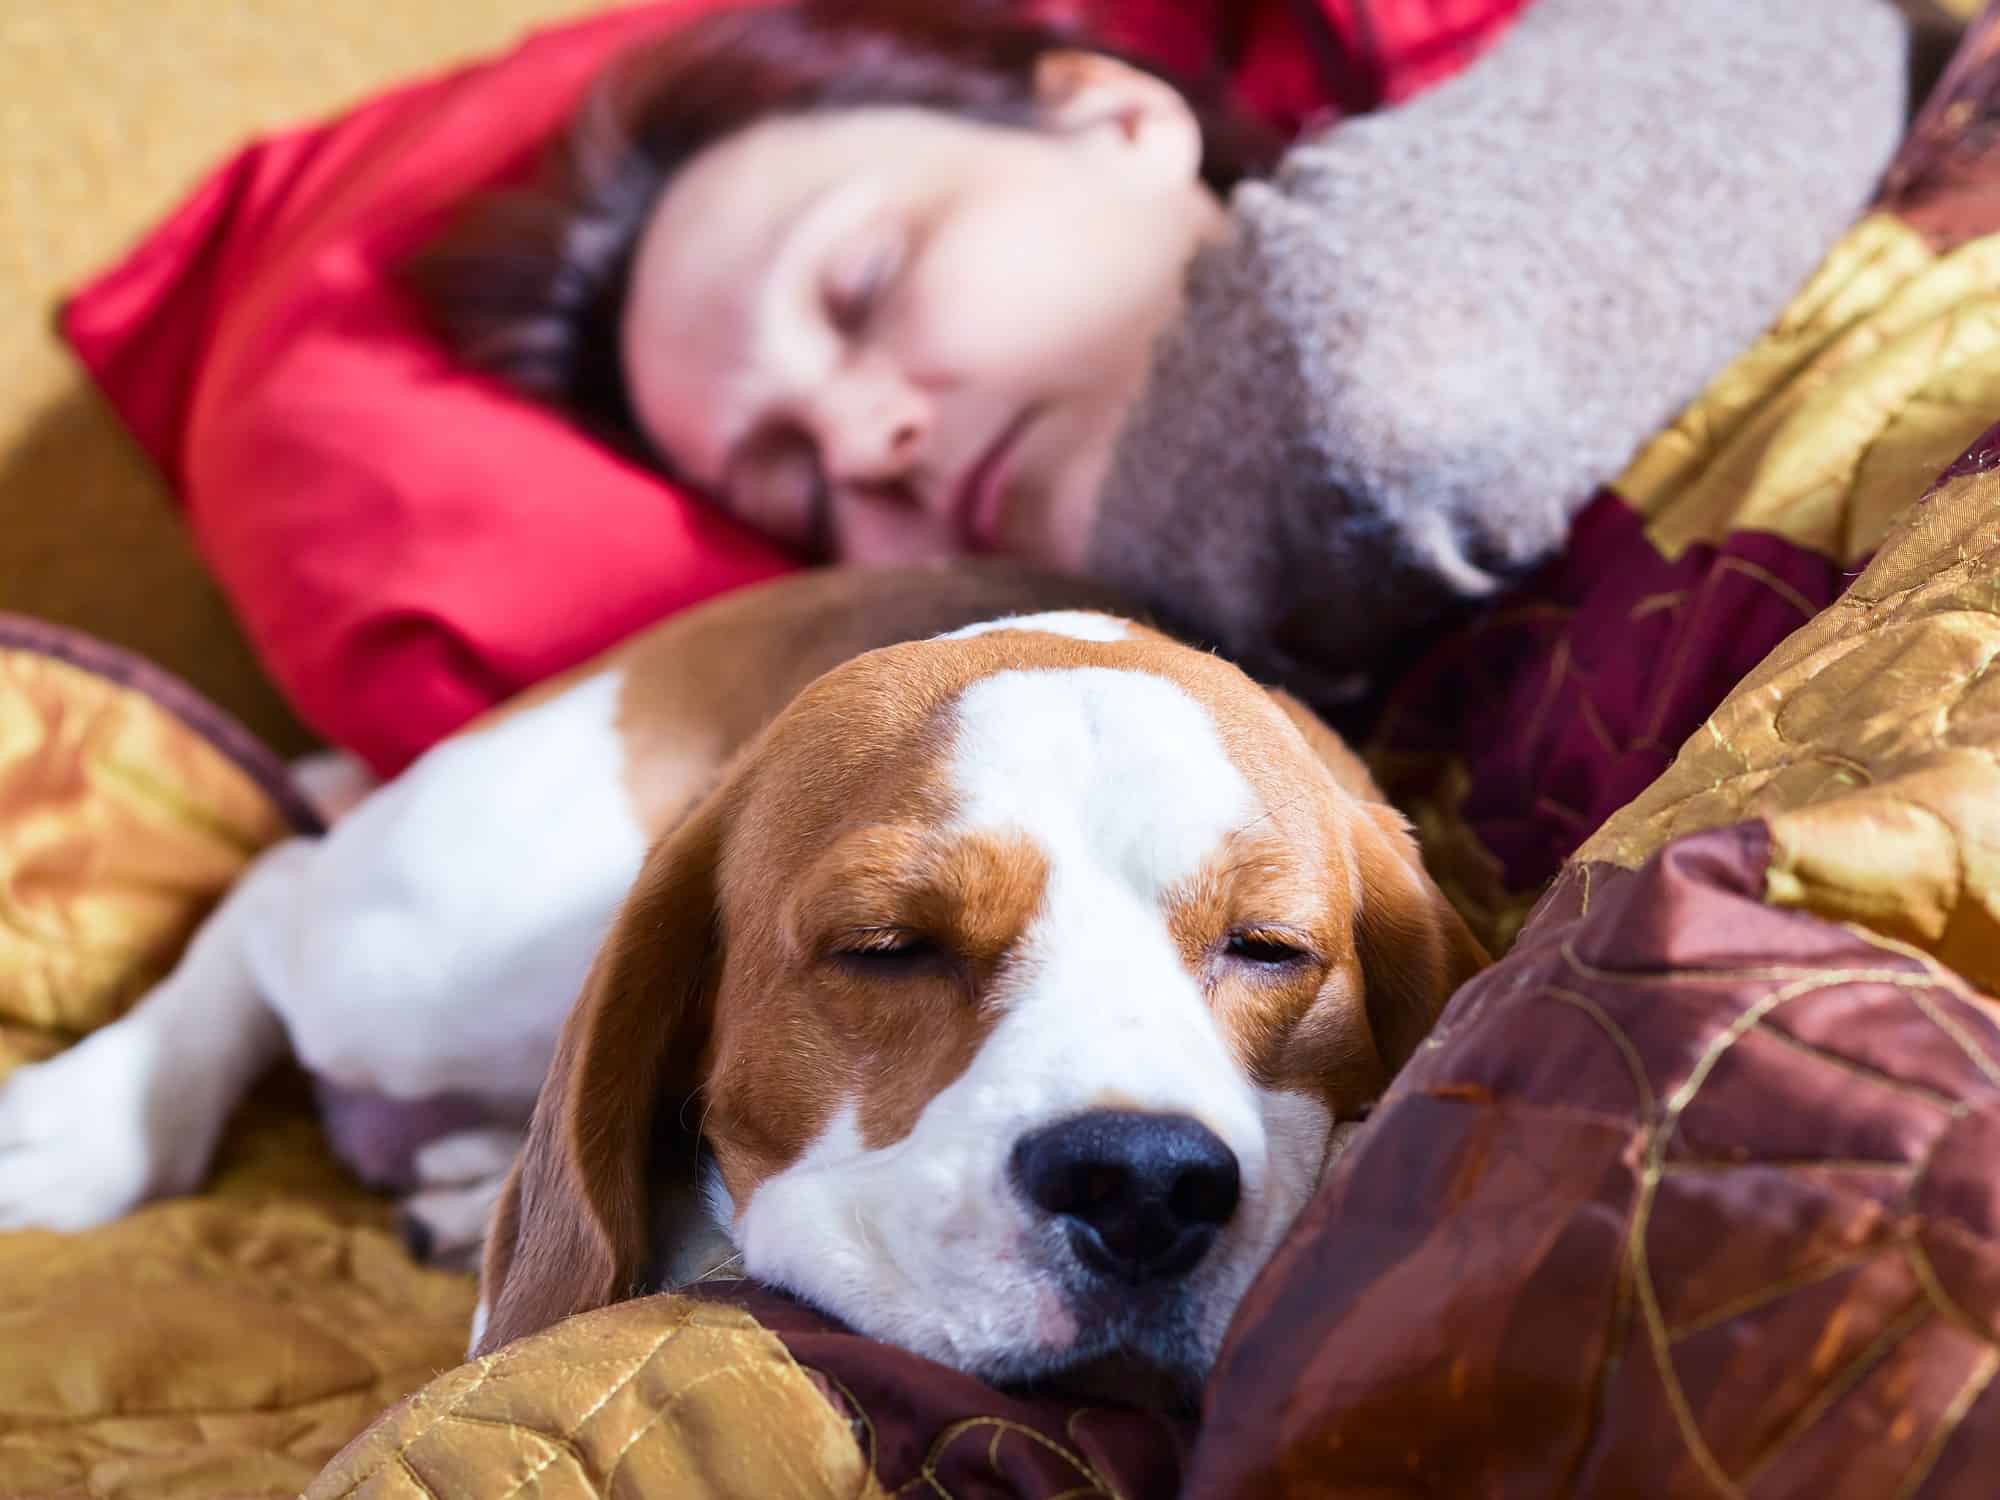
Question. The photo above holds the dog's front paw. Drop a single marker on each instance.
(92, 1133)
(445, 1221)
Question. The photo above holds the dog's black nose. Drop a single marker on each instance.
(1144, 1195)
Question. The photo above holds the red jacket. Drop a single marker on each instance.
(1298, 63)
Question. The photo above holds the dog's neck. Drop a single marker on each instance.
(690, 1241)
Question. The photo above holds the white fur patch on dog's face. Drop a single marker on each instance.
(1077, 624)
(1121, 782)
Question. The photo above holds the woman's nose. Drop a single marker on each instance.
(871, 429)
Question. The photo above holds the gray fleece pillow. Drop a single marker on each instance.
(1436, 330)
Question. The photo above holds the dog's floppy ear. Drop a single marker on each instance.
(572, 1230)
(1415, 949)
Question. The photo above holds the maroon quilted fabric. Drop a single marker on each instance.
(1569, 700)
(1688, 1196)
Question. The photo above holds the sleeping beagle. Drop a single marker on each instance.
(1003, 990)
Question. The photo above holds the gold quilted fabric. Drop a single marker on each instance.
(1870, 742)
(660, 1397)
(1881, 372)
(222, 1344)
(119, 828)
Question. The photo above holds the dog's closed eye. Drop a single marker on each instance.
(1265, 947)
(888, 952)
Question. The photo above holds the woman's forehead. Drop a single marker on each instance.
(701, 283)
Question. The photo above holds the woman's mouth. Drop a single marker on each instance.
(979, 505)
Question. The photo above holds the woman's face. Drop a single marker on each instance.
(888, 335)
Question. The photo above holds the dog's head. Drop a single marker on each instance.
(1015, 985)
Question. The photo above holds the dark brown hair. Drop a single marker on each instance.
(530, 285)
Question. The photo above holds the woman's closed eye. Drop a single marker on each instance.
(860, 282)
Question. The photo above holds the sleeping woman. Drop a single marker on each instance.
(900, 279)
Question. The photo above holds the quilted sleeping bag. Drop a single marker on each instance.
(1700, 1183)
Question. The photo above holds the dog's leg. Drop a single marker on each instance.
(449, 918)
(133, 1111)
(458, 911)
(444, 1221)
(429, 943)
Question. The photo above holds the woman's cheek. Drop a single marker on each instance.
(1029, 290)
